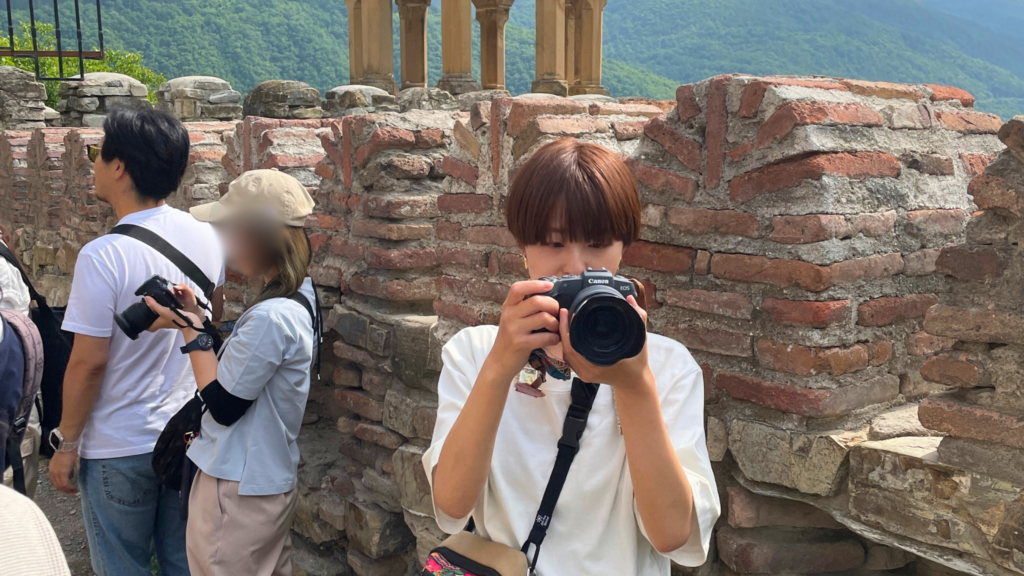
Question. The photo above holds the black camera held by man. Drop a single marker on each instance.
(603, 326)
(138, 317)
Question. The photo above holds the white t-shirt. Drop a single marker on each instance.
(13, 291)
(149, 379)
(266, 359)
(596, 528)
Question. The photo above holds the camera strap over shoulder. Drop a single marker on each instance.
(154, 241)
(583, 395)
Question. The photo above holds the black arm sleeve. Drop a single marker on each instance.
(225, 407)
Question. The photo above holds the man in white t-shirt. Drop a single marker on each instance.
(120, 393)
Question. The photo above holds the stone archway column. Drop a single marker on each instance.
(590, 29)
(378, 51)
(571, 42)
(457, 47)
(550, 74)
(355, 40)
(412, 16)
(492, 15)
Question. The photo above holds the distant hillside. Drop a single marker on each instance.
(651, 46)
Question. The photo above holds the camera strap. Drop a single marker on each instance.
(583, 395)
(154, 241)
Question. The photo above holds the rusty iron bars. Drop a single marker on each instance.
(60, 53)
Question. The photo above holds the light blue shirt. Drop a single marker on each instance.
(266, 359)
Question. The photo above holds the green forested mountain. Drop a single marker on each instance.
(651, 46)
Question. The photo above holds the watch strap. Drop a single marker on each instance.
(201, 342)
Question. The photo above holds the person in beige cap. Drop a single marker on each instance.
(255, 388)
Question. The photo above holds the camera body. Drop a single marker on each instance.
(138, 317)
(603, 326)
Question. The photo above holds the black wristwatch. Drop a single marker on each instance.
(202, 342)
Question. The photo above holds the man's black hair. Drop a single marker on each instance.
(153, 145)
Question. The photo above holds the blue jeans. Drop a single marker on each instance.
(128, 515)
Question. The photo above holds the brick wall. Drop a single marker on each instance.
(811, 240)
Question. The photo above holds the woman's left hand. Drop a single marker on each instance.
(624, 374)
(168, 318)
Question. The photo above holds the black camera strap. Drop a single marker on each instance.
(583, 395)
(154, 241)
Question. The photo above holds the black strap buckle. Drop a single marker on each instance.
(572, 431)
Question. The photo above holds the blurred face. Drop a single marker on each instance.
(243, 248)
(560, 257)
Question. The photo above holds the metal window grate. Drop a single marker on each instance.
(60, 53)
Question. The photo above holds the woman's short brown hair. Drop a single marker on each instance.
(583, 191)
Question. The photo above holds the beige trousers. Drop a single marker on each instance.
(232, 535)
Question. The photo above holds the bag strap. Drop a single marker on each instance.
(154, 241)
(583, 395)
(317, 330)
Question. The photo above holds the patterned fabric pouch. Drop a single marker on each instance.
(541, 366)
(464, 554)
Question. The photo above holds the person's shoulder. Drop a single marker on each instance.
(473, 339)
(669, 359)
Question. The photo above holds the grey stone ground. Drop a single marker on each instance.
(65, 514)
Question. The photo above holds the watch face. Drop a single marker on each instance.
(205, 341)
(55, 439)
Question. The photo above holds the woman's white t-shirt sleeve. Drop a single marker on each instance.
(253, 354)
(682, 404)
(453, 388)
(93, 297)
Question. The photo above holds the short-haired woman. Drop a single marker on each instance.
(244, 496)
(640, 491)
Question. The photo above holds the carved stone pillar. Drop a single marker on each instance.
(590, 29)
(550, 75)
(492, 15)
(355, 40)
(571, 40)
(412, 27)
(457, 47)
(378, 51)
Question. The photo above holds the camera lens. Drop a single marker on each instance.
(136, 319)
(604, 327)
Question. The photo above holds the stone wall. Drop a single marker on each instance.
(811, 240)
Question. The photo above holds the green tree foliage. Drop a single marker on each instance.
(120, 61)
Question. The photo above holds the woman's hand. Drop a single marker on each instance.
(168, 318)
(624, 374)
(521, 318)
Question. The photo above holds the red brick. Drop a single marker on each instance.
(889, 310)
(461, 170)
(717, 118)
(807, 313)
(963, 420)
(708, 374)
(379, 435)
(480, 115)
(524, 110)
(418, 290)
(712, 340)
(930, 164)
(407, 166)
(628, 129)
(794, 114)
(745, 268)
(429, 138)
(720, 303)
(540, 128)
(317, 241)
(749, 510)
(740, 152)
(819, 227)
(465, 314)
(930, 223)
(500, 108)
(972, 263)
(886, 90)
(924, 344)
(385, 139)
(944, 93)
(450, 286)
(398, 208)
(663, 180)
(967, 122)
(291, 161)
(465, 203)
(687, 151)
(869, 268)
(449, 231)
(400, 259)
(385, 231)
(346, 149)
(324, 171)
(795, 551)
(650, 295)
(815, 403)
(460, 257)
(991, 191)
(686, 103)
(700, 221)
(514, 264)
(490, 291)
(975, 325)
(360, 402)
(614, 108)
(659, 257)
(753, 93)
(952, 369)
(805, 361)
(497, 235)
(855, 165)
(976, 163)
(343, 247)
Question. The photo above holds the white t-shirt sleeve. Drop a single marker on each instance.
(253, 354)
(456, 382)
(682, 406)
(91, 304)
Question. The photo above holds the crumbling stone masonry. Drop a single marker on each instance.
(841, 257)
(22, 100)
(199, 98)
(87, 102)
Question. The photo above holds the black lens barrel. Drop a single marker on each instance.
(136, 319)
(604, 327)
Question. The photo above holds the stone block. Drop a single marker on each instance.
(225, 97)
(949, 414)
(717, 437)
(994, 460)
(750, 510)
(789, 551)
(363, 565)
(307, 520)
(374, 531)
(881, 557)
(412, 479)
(411, 413)
(416, 357)
(428, 535)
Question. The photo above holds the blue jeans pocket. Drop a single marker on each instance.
(124, 488)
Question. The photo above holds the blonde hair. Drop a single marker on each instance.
(290, 252)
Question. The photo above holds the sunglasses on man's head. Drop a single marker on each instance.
(94, 152)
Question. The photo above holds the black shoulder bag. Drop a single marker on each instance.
(473, 554)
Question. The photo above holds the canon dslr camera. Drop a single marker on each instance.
(603, 326)
(138, 317)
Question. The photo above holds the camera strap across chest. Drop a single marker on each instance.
(583, 395)
(154, 241)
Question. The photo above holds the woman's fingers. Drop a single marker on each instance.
(541, 321)
(639, 310)
(520, 290)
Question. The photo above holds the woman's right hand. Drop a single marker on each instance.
(521, 317)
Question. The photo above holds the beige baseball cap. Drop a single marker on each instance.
(260, 193)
